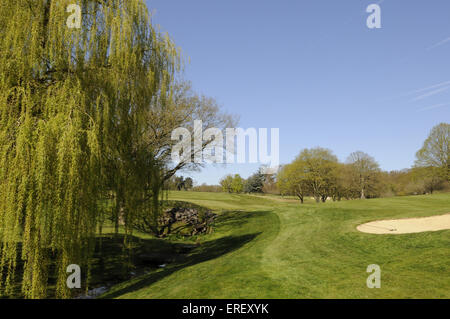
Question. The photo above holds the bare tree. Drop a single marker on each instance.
(365, 169)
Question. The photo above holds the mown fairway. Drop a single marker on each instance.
(266, 247)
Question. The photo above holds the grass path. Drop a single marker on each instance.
(265, 248)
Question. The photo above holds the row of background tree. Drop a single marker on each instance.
(317, 173)
(179, 183)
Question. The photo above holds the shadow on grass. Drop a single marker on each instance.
(207, 251)
(138, 265)
(233, 218)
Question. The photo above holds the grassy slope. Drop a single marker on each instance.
(268, 248)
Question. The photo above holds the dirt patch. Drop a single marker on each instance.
(406, 226)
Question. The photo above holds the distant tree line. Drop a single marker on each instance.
(179, 183)
(317, 172)
(256, 183)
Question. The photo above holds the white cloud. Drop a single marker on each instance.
(439, 43)
(420, 97)
(431, 107)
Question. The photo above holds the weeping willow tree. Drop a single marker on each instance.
(73, 109)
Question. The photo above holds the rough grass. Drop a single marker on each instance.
(269, 247)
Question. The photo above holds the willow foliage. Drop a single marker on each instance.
(72, 122)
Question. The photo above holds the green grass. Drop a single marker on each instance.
(266, 247)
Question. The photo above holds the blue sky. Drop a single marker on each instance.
(314, 70)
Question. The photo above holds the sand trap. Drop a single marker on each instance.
(406, 226)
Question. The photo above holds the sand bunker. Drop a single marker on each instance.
(406, 226)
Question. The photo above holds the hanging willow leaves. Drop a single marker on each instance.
(73, 105)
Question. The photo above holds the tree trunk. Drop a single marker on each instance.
(300, 196)
(45, 23)
(118, 210)
(361, 179)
